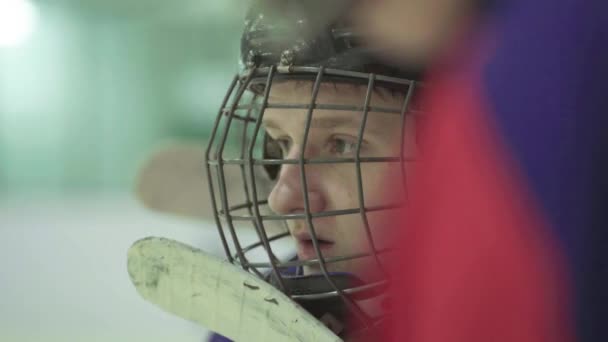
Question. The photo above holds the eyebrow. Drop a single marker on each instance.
(323, 123)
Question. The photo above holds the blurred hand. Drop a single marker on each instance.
(411, 31)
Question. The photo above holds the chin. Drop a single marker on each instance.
(364, 269)
(332, 267)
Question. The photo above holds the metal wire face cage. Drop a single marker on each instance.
(243, 166)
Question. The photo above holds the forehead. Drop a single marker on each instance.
(346, 94)
(340, 93)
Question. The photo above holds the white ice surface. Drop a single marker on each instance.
(63, 273)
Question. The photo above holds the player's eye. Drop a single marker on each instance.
(284, 145)
(340, 145)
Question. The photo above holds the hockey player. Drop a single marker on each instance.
(331, 128)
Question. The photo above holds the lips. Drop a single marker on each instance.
(306, 249)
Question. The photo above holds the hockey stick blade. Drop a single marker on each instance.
(221, 297)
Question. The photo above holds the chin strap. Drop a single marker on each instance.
(318, 297)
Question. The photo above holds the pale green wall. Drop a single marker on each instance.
(100, 84)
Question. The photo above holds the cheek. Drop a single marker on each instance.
(383, 228)
(350, 234)
(382, 184)
(340, 184)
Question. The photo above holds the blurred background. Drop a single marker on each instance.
(88, 88)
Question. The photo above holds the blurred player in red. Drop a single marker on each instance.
(506, 233)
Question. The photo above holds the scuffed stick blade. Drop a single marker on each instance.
(218, 295)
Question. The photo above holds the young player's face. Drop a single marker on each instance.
(334, 134)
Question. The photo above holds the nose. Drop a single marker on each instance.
(287, 196)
